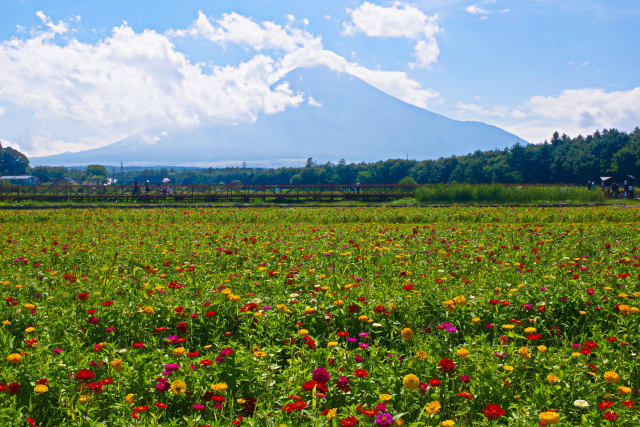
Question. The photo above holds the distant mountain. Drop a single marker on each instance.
(342, 117)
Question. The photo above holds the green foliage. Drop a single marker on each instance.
(12, 162)
(497, 193)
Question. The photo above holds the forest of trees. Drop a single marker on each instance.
(561, 160)
(12, 162)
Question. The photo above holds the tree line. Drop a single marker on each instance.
(561, 160)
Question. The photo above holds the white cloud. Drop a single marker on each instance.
(238, 29)
(130, 81)
(395, 83)
(476, 10)
(575, 111)
(305, 50)
(79, 95)
(60, 28)
(426, 53)
(399, 20)
(313, 102)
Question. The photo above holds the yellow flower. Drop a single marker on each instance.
(433, 407)
(41, 388)
(552, 378)
(338, 302)
(259, 354)
(332, 413)
(450, 304)
(148, 309)
(85, 398)
(508, 326)
(542, 348)
(14, 358)
(448, 423)
(529, 330)
(407, 334)
(624, 390)
(524, 352)
(178, 351)
(234, 298)
(129, 398)
(624, 309)
(410, 382)
(508, 368)
(241, 401)
(421, 355)
(385, 397)
(460, 300)
(363, 318)
(547, 418)
(476, 320)
(117, 364)
(178, 387)
(611, 377)
(303, 332)
(332, 343)
(28, 306)
(462, 353)
(576, 354)
(219, 387)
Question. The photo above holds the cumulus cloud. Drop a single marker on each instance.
(233, 28)
(399, 20)
(303, 49)
(574, 111)
(131, 80)
(84, 95)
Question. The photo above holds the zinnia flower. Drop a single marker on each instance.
(547, 418)
(407, 334)
(178, 387)
(14, 358)
(321, 375)
(447, 366)
(611, 377)
(493, 411)
(433, 407)
(410, 382)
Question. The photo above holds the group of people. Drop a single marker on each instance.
(613, 188)
(165, 189)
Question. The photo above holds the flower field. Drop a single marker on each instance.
(327, 316)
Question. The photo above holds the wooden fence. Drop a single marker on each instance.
(205, 193)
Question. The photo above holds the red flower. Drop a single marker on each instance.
(361, 373)
(83, 296)
(161, 405)
(349, 421)
(309, 385)
(32, 422)
(447, 366)
(605, 404)
(465, 395)
(493, 411)
(14, 388)
(296, 406)
(182, 327)
(434, 382)
(85, 375)
(611, 416)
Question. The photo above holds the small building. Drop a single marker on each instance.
(21, 179)
(65, 181)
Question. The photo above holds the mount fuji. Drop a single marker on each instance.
(342, 118)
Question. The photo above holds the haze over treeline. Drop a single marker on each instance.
(559, 160)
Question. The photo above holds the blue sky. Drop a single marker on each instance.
(81, 74)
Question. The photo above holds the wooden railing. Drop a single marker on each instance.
(217, 192)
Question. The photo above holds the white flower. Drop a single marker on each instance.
(581, 403)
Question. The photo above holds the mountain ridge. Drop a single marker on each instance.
(341, 117)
